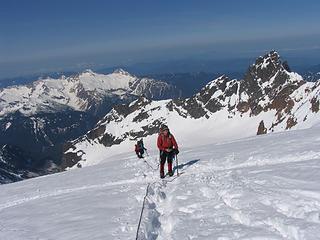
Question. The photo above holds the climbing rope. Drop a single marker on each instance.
(141, 214)
(149, 165)
(147, 192)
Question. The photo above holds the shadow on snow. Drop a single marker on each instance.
(185, 166)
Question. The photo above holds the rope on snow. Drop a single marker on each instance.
(141, 214)
(146, 195)
(154, 169)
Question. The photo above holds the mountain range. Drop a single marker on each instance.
(270, 98)
(36, 119)
(54, 124)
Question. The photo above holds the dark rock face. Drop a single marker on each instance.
(212, 98)
(315, 105)
(194, 109)
(70, 158)
(40, 136)
(261, 129)
(108, 140)
(286, 66)
(141, 116)
(243, 107)
(205, 95)
(152, 128)
(17, 164)
(125, 109)
(97, 132)
(291, 122)
(268, 77)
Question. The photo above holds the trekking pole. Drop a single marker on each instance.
(177, 166)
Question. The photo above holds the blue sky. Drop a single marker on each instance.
(46, 35)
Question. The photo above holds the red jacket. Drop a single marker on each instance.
(165, 142)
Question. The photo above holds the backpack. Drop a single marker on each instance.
(140, 144)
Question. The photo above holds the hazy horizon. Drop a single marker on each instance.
(45, 36)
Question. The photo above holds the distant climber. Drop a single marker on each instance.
(168, 149)
(139, 148)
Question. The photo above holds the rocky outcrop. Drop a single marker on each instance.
(314, 105)
(268, 84)
(261, 129)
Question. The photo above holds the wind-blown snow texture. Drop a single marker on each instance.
(264, 187)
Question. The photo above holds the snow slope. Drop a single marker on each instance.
(262, 187)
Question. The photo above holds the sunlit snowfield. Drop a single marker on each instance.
(264, 187)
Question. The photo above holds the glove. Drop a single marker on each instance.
(169, 150)
(176, 151)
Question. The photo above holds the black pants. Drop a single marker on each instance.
(140, 153)
(166, 156)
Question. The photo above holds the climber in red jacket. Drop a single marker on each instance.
(168, 149)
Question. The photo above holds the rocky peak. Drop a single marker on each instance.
(126, 109)
(272, 58)
(120, 111)
(122, 72)
(219, 84)
(267, 79)
(264, 68)
(211, 98)
(87, 72)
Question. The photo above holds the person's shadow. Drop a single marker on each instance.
(184, 166)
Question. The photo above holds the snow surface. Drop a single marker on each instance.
(262, 187)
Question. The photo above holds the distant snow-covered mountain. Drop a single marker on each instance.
(269, 98)
(38, 118)
(81, 92)
(312, 76)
